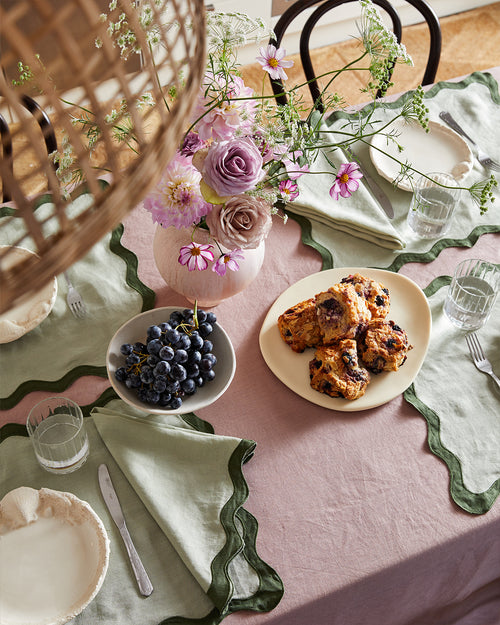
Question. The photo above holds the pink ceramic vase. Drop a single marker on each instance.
(207, 287)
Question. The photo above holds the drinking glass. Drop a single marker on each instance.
(432, 205)
(471, 294)
(57, 431)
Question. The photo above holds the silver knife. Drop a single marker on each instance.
(373, 186)
(115, 509)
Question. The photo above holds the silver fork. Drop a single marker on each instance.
(74, 299)
(482, 157)
(478, 356)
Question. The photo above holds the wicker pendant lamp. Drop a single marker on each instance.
(56, 40)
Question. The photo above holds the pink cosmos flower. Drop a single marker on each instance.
(347, 180)
(176, 200)
(272, 62)
(229, 260)
(222, 122)
(196, 256)
(288, 190)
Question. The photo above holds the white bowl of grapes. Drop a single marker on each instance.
(171, 360)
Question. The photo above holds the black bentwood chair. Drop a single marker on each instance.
(328, 5)
(48, 132)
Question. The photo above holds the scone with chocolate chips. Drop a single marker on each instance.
(375, 293)
(383, 346)
(340, 312)
(299, 327)
(334, 370)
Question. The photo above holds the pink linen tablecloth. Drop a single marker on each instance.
(354, 510)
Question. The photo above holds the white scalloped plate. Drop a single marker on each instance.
(409, 309)
(54, 554)
(29, 313)
(439, 150)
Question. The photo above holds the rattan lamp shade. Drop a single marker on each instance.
(97, 80)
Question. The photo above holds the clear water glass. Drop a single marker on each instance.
(432, 205)
(57, 431)
(472, 293)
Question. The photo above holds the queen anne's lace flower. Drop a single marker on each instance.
(176, 199)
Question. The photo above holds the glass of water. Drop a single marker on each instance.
(57, 431)
(432, 205)
(471, 294)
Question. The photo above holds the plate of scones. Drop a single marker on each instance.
(348, 339)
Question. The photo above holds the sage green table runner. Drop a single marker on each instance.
(182, 490)
(355, 231)
(461, 405)
(63, 348)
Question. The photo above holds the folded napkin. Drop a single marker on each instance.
(355, 231)
(359, 215)
(461, 405)
(182, 491)
(111, 296)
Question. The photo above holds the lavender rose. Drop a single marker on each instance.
(233, 167)
(243, 222)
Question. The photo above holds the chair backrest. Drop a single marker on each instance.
(328, 5)
(48, 132)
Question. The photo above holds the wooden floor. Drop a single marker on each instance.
(471, 42)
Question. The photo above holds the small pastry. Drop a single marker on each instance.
(340, 312)
(299, 327)
(334, 370)
(375, 293)
(383, 346)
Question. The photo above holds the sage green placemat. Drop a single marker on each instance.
(63, 348)
(182, 490)
(475, 101)
(461, 405)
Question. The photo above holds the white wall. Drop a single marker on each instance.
(345, 20)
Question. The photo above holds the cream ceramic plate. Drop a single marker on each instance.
(29, 313)
(135, 330)
(409, 309)
(439, 150)
(54, 552)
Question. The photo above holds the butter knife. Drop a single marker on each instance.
(115, 509)
(373, 186)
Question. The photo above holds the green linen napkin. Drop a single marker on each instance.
(475, 103)
(461, 405)
(182, 491)
(62, 348)
(359, 215)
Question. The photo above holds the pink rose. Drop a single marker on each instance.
(233, 167)
(243, 222)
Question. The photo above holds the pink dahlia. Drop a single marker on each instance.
(176, 200)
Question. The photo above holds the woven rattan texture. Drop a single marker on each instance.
(95, 79)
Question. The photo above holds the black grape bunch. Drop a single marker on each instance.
(174, 362)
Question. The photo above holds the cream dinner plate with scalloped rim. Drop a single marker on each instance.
(54, 554)
(409, 309)
(439, 150)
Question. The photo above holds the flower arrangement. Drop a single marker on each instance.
(239, 160)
